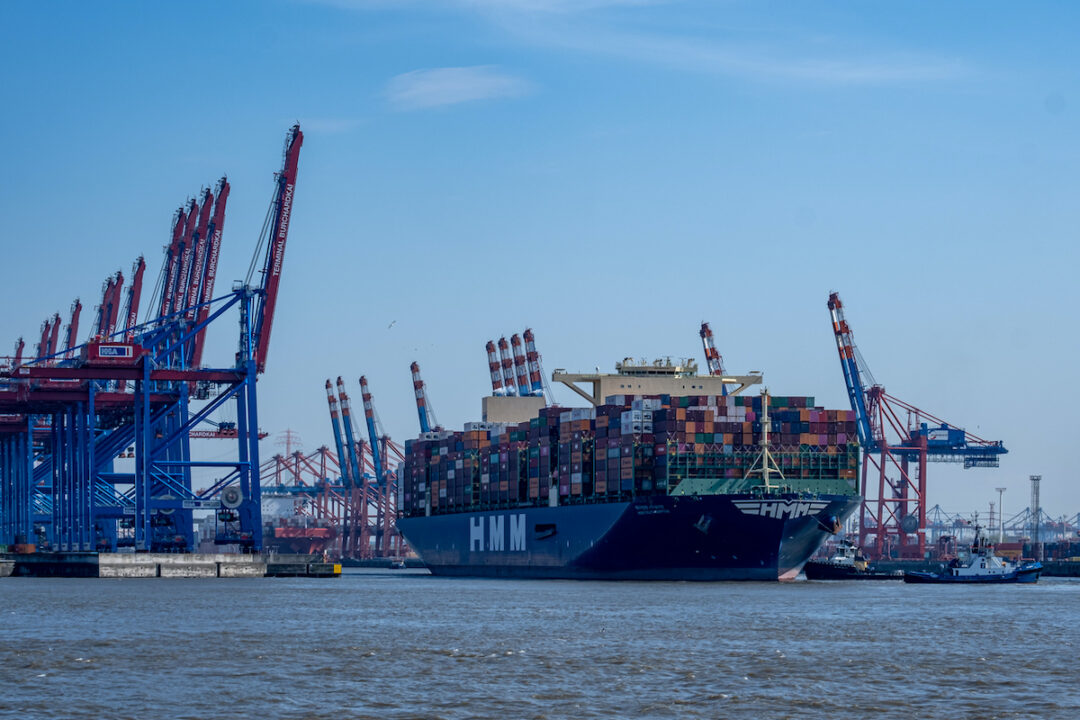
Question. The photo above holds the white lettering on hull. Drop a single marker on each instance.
(781, 509)
(495, 539)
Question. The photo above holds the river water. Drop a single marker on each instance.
(407, 645)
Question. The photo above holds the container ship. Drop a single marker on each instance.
(667, 475)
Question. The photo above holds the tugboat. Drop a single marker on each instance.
(980, 566)
(846, 563)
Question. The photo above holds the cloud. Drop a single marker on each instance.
(436, 87)
(712, 57)
(779, 53)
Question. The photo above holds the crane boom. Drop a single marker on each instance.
(507, 367)
(114, 303)
(421, 398)
(213, 250)
(335, 422)
(275, 251)
(172, 264)
(183, 276)
(42, 347)
(532, 358)
(198, 262)
(350, 434)
(369, 417)
(19, 345)
(845, 345)
(520, 368)
(713, 360)
(72, 328)
(495, 369)
(134, 295)
(54, 335)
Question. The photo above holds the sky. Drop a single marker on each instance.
(608, 172)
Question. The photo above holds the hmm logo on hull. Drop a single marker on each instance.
(780, 509)
(497, 533)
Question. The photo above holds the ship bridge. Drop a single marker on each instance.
(659, 377)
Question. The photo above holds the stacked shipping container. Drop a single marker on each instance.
(631, 445)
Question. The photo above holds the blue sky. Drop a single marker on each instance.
(607, 172)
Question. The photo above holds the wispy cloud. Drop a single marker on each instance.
(758, 62)
(629, 30)
(437, 87)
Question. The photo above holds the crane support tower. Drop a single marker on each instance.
(896, 451)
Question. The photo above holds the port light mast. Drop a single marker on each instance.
(896, 453)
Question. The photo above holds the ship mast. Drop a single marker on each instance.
(764, 463)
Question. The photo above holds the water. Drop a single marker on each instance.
(407, 645)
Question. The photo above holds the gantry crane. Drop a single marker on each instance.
(65, 480)
(894, 508)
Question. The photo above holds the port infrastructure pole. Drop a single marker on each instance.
(1001, 514)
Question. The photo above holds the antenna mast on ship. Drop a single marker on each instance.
(764, 463)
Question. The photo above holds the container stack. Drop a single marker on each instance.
(629, 446)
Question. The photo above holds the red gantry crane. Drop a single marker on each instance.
(894, 507)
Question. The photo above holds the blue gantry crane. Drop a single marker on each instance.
(64, 421)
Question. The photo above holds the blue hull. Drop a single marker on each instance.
(714, 537)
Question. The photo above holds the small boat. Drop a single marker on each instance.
(980, 565)
(397, 564)
(847, 563)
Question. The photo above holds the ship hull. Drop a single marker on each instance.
(1025, 574)
(712, 537)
